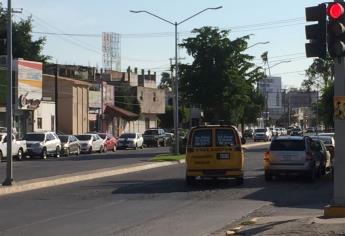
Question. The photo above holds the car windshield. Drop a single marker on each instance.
(260, 130)
(151, 132)
(127, 135)
(63, 138)
(34, 137)
(287, 145)
(103, 136)
(84, 137)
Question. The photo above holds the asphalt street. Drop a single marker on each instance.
(153, 202)
(37, 168)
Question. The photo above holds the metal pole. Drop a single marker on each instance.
(339, 126)
(176, 121)
(9, 119)
(56, 97)
(102, 101)
(317, 110)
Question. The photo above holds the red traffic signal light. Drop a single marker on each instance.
(335, 10)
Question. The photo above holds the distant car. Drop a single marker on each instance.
(130, 140)
(288, 130)
(262, 134)
(70, 145)
(296, 132)
(283, 131)
(90, 143)
(273, 131)
(328, 141)
(154, 137)
(248, 133)
(109, 142)
(296, 155)
(42, 144)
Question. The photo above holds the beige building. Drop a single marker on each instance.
(72, 100)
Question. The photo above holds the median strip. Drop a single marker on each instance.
(33, 184)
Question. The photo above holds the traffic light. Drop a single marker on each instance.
(336, 29)
(316, 33)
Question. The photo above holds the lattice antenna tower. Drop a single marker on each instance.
(111, 49)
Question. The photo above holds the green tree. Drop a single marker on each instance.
(166, 81)
(221, 78)
(24, 46)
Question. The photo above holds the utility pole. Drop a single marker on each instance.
(56, 97)
(9, 112)
(102, 101)
(337, 207)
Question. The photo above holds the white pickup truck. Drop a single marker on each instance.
(18, 147)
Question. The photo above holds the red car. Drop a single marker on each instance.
(109, 141)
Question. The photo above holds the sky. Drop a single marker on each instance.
(148, 42)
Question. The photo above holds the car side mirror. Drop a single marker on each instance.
(243, 140)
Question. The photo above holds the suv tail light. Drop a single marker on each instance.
(267, 156)
(309, 156)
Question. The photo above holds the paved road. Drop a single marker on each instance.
(153, 202)
(37, 168)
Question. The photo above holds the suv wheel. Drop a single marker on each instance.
(44, 154)
(20, 154)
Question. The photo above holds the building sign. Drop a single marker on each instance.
(29, 77)
(339, 107)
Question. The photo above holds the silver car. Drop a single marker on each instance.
(262, 134)
(90, 143)
(43, 144)
(296, 155)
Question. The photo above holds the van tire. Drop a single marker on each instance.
(190, 180)
(268, 176)
(240, 180)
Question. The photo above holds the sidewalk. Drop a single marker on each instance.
(285, 221)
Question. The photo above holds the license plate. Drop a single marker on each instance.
(223, 156)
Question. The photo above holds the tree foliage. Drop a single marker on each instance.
(24, 46)
(166, 81)
(221, 78)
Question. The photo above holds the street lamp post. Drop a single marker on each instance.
(266, 42)
(175, 24)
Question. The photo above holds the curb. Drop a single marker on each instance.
(33, 184)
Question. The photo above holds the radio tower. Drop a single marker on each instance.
(111, 49)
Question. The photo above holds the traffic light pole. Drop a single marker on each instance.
(337, 207)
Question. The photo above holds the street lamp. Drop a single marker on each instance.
(175, 24)
(270, 67)
(257, 44)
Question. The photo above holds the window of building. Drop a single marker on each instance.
(154, 97)
(141, 95)
(39, 123)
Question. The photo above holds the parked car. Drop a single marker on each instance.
(248, 133)
(288, 130)
(328, 141)
(273, 131)
(70, 145)
(169, 137)
(18, 147)
(296, 132)
(130, 140)
(262, 134)
(154, 137)
(283, 131)
(109, 142)
(42, 144)
(296, 155)
(90, 143)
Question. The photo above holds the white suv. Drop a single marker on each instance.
(262, 134)
(43, 144)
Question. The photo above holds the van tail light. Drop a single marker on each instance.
(267, 156)
(309, 156)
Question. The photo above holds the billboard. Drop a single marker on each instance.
(29, 78)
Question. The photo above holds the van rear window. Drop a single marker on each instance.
(202, 138)
(288, 145)
(225, 137)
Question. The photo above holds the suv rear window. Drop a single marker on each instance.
(202, 138)
(288, 145)
(225, 137)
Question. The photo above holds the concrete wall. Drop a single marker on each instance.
(46, 111)
(144, 122)
(152, 100)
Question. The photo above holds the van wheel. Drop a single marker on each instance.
(268, 176)
(190, 180)
(57, 152)
(240, 180)
(20, 154)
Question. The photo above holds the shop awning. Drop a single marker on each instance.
(117, 111)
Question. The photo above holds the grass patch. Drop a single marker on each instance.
(168, 157)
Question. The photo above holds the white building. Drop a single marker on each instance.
(271, 89)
